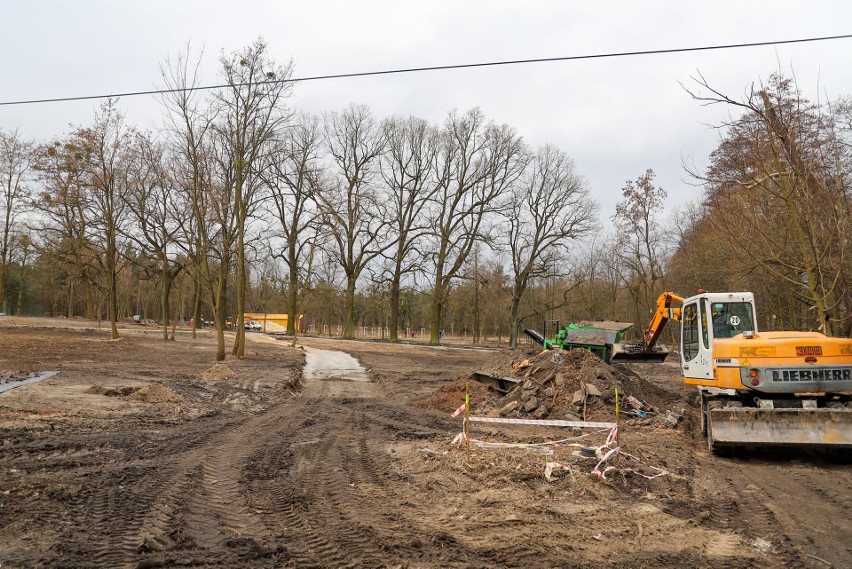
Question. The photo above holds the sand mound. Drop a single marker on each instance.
(218, 371)
(155, 393)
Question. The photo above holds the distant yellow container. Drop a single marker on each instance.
(270, 321)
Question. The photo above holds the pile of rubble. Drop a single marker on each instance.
(578, 386)
(10, 375)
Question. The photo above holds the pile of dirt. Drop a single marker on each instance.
(99, 389)
(218, 371)
(8, 375)
(450, 396)
(155, 393)
(577, 385)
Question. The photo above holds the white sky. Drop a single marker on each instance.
(615, 117)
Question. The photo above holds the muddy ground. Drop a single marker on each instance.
(143, 453)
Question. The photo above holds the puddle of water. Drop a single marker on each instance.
(332, 365)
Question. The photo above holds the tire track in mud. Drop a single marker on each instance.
(826, 528)
(330, 506)
(203, 502)
(311, 506)
(117, 511)
(747, 501)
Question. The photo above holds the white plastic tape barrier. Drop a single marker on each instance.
(544, 422)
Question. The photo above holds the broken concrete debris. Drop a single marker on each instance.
(573, 384)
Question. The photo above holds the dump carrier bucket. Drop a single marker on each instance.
(783, 427)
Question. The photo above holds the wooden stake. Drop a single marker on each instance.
(466, 418)
(616, 406)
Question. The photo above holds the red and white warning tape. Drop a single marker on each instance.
(603, 453)
(460, 410)
(551, 466)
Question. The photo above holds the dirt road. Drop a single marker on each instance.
(145, 454)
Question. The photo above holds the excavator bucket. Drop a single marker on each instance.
(625, 353)
(784, 427)
(639, 357)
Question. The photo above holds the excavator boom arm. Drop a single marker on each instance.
(665, 312)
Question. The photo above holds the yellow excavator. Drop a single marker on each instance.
(757, 388)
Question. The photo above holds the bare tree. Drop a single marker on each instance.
(16, 158)
(63, 226)
(779, 174)
(640, 240)
(408, 170)
(24, 250)
(105, 146)
(252, 114)
(291, 173)
(354, 212)
(476, 163)
(155, 208)
(550, 209)
(189, 122)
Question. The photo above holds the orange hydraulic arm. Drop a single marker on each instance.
(664, 313)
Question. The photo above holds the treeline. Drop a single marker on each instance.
(240, 203)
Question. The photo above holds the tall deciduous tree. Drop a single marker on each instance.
(63, 226)
(155, 209)
(16, 158)
(476, 164)
(549, 210)
(188, 128)
(105, 146)
(640, 241)
(353, 209)
(252, 114)
(408, 171)
(778, 188)
(292, 172)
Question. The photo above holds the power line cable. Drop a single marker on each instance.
(432, 68)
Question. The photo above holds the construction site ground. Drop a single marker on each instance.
(146, 453)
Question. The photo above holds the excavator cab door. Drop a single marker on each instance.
(696, 340)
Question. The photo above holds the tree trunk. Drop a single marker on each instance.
(240, 343)
(164, 297)
(394, 309)
(197, 320)
(219, 304)
(437, 314)
(90, 300)
(514, 329)
(112, 297)
(349, 310)
(292, 297)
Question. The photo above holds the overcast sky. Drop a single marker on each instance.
(616, 117)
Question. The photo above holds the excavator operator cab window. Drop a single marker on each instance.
(731, 318)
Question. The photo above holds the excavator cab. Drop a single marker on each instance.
(731, 318)
(706, 317)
